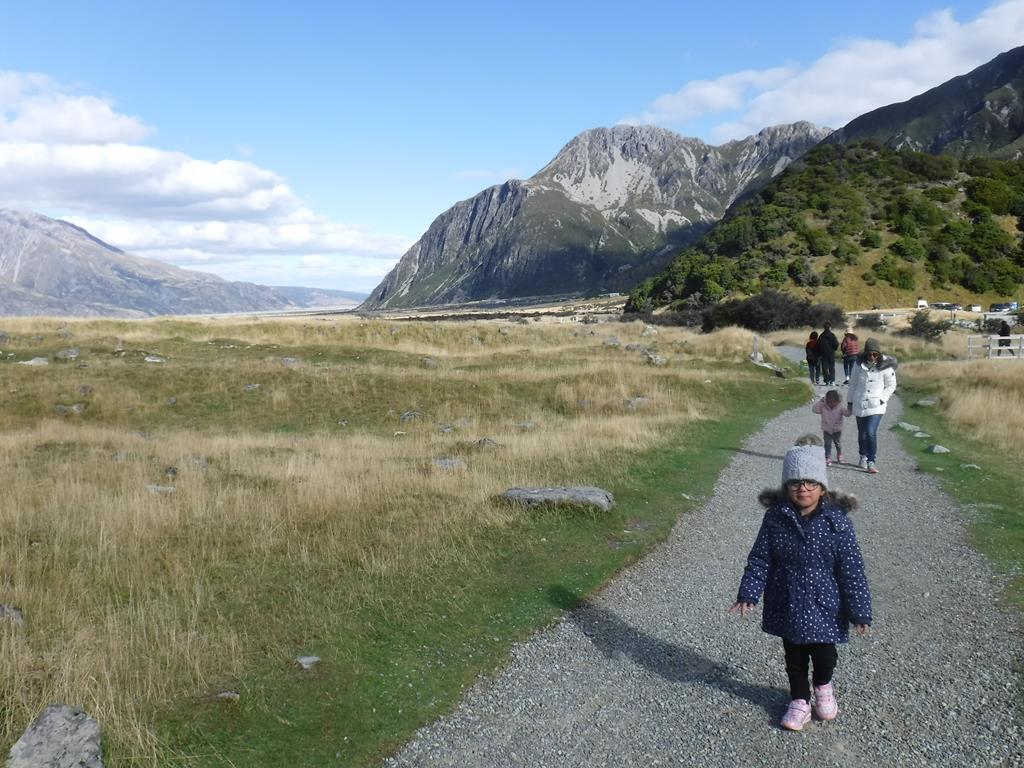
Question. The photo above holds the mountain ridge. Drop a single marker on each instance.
(602, 214)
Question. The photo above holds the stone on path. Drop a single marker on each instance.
(61, 737)
(582, 496)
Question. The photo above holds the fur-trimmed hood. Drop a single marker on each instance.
(769, 497)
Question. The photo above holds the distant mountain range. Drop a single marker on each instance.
(51, 267)
(610, 212)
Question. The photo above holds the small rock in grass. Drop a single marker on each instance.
(155, 359)
(85, 390)
(654, 359)
(485, 443)
(525, 425)
(921, 434)
(61, 737)
(585, 496)
(969, 466)
(927, 403)
(408, 416)
(35, 361)
(938, 449)
(250, 387)
(449, 464)
(229, 696)
(612, 341)
(11, 614)
(307, 662)
(428, 362)
(160, 490)
(908, 427)
(171, 402)
(289, 362)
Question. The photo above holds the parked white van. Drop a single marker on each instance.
(922, 304)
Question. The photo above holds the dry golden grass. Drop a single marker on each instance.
(135, 597)
(983, 398)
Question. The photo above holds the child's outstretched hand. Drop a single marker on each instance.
(849, 409)
(862, 629)
(741, 607)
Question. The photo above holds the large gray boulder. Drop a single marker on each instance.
(581, 496)
(61, 737)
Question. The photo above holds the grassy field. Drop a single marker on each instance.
(979, 416)
(176, 529)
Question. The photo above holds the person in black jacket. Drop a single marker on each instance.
(827, 346)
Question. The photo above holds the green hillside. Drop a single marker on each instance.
(861, 224)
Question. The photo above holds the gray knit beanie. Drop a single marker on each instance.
(872, 345)
(805, 462)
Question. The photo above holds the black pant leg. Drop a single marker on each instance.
(797, 659)
(824, 657)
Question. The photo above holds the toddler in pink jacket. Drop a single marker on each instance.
(832, 411)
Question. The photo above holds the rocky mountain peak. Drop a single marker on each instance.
(600, 216)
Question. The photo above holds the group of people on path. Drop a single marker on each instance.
(871, 381)
(805, 561)
(820, 352)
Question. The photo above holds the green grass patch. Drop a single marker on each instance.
(406, 651)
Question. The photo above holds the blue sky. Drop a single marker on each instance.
(312, 143)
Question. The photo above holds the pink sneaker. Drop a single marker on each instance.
(825, 706)
(839, 458)
(797, 716)
(828, 462)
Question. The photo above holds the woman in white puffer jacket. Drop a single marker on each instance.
(872, 383)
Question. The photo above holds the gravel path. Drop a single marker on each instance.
(652, 671)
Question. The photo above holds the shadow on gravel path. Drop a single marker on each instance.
(731, 449)
(674, 663)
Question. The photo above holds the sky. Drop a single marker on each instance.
(312, 143)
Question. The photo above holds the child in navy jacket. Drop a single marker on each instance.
(807, 563)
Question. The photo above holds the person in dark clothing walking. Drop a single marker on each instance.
(813, 364)
(807, 563)
(827, 346)
(1004, 339)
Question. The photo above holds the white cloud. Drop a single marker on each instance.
(315, 262)
(700, 97)
(72, 154)
(36, 108)
(856, 76)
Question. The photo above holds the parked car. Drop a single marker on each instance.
(943, 305)
(1004, 306)
(922, 304)
(975, 308)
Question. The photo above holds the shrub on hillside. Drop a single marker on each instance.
(872, 322)
(769, 311)
(923, 327)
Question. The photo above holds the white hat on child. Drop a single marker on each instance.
(805, 462)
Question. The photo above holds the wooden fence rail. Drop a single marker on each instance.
(996, 347)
